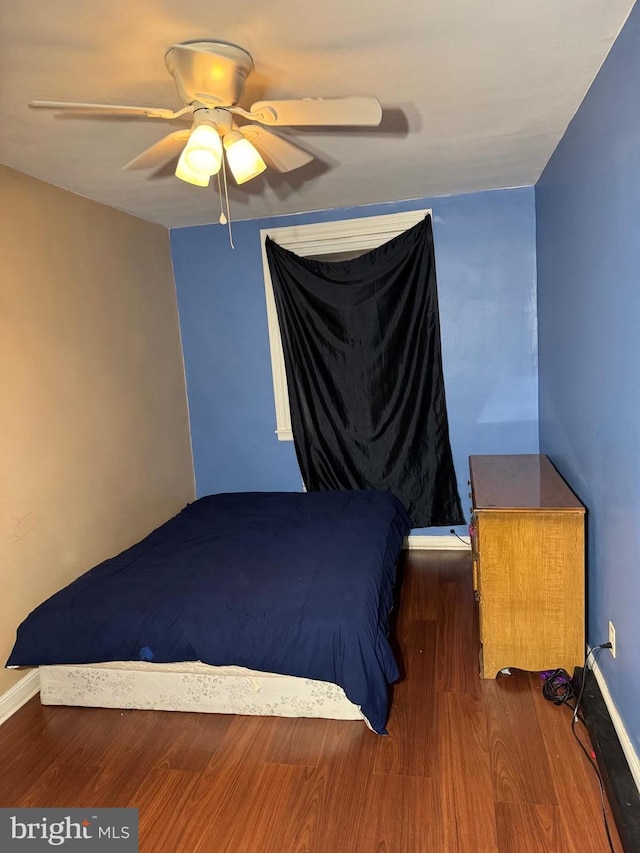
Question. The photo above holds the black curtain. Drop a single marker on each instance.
(361, 342)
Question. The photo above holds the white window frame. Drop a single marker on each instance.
(321, 238)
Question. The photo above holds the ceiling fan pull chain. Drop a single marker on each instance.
(226, 196)
(223, 218)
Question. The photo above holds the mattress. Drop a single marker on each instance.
(277, 582)
(193, 686)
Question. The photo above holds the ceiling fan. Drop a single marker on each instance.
(210, 78)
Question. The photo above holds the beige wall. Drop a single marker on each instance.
(94, 435)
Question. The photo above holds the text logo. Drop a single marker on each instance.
(88, 829)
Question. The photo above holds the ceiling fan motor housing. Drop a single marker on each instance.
(211, 72)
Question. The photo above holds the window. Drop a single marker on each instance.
(330, 240)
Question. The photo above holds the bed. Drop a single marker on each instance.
(257, 602)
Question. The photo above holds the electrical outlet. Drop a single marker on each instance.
(612, 639)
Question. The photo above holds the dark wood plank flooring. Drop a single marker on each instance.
(469, 766)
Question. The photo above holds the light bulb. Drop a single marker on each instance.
(191, 176)
(244, 160)
(203, 152)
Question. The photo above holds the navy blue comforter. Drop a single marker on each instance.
(300, 584)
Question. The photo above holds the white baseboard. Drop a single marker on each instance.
(437, 543)
(18, 695)
(625, 741)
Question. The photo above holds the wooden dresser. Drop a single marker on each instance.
(527, 542)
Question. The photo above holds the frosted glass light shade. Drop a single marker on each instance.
(203, 152)
(186, 173)
(244, 160)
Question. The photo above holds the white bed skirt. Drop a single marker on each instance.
(193, 687)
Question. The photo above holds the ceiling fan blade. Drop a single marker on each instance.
(107, 109)
(280, 154)
(319, 111)
(160, 152)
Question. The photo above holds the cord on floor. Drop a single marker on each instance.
(560, 688)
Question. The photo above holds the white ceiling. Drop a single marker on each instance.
(476, 95)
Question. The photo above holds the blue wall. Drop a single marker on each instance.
(485, 259)
(588, 250)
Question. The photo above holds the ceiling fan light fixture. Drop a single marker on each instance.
(203, 151)
(210, 77)
(243, 158)
(191, 176)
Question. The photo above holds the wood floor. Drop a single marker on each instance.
(469, 766)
